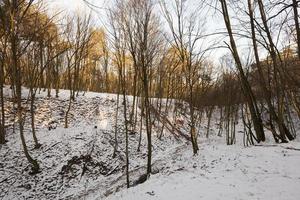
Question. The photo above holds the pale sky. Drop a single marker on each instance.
(70, 5)
(214, 20)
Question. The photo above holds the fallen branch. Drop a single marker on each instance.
(292, 148)
(173, 129)
(52, 146)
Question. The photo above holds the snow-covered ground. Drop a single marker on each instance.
(77, 163)
(225, 172)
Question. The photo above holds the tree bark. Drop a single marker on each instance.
(284, 131)
(32, 113)
(14, 39)
(296, 19)
(2, 122)
(255, 115)
(263, 84)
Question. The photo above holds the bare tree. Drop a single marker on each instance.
(279, 81)
(266, 92)
(187, 35)
(78, 41)
(3, 49)
(16, 15)
(248, 93)
(119, 45)
(297, 27)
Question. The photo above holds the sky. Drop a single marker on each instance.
(71, 5)
(214, 20)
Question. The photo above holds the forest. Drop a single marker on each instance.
(150, 99)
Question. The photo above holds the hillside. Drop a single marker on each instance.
(88, 142)
(77, 162)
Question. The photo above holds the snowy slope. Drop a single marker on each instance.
(77, 163)
(90, 139)
(225, 172)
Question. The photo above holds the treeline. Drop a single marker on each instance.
(148, 53)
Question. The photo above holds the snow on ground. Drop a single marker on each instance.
(77, 163)
(65, 153)
(225, 172)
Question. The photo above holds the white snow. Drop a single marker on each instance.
(225, 172)
(267, 171)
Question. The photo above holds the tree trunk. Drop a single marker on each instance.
(122, 77)
(116, 122)
(255, 115)
(41, 51)
(296, 19)
(18, 78)
(284, 131)
(67, 112)
(148, 129)
(192, 128)
(36, 143)
(209, 113)
(2, 122)
(134, 98)
(263, 84)
(141, 124)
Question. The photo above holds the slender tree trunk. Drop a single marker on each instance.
(209, 113)
(2, 122)
(141, 124)
(116, 122)
(68, 110)
(48, 71)
(284, 131)
(192, 125)
(32, 113)
(18, 84)
(263, 84)
(134, 98)
(56, 76)
(71, 92)
(148, 129)
(147, 119)
(295, 102)
(122, 77)
(255, 115)
(221, 121)
(41, 51)
(296, 19)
